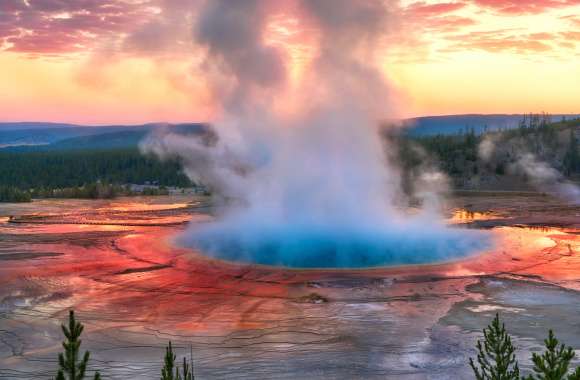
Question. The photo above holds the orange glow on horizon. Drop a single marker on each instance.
(442, 58)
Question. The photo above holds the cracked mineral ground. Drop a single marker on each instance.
(115, 263)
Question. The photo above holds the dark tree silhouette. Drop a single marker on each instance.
(572, 157)
(170, 369)
(496, 359)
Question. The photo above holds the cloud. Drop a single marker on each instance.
(573, 19)
(67, 26)
(503, 40)
(448, 24)
(571, 36)
(9, 6)
(437, 17)
(161, 31)
(422, 8)
(517, 7)
(567, 45)
(456, 26)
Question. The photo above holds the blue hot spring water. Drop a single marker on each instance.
(321, 246)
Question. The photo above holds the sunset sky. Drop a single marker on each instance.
(134, 61)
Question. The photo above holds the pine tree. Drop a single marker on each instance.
(187, 373)
(169, 365)
(554, 363)
(69, 366)
(171, 371)
(495, 356)
(572, 158)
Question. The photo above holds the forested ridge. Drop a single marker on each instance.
(554, 143)
(61, 169)
(83, 174)
(99, 173)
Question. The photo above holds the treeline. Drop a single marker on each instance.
(74, 169)
(457, 155)
(13, 194)
(95, 190)
(76, 174)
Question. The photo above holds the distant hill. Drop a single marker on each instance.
(111, 140)
(79, 137)
(36, 136)
(453, 124)
(121, 139)
(17, 126)
(44, 136)
(31, 134)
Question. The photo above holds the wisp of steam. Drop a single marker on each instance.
(297, 159)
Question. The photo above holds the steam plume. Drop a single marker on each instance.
(303, 159)
(546, 178)
(542, 175)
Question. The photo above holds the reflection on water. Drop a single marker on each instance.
(124, 212)
(141, 207)
(466, 216)
(544, 229)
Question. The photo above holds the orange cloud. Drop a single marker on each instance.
(573, 19)
(135, 61)
(422, 8)
(571, 36)
(503, 40)
(516, 7)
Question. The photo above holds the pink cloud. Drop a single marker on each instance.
(63, 26)
(503, 40)
(514, 7)
(424, 9)
(8, 6)
(448, 24)
(46, 43)
(437, 17)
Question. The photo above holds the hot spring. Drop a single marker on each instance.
(302, 153)
(347, 246)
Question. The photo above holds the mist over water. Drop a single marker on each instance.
(298, 162)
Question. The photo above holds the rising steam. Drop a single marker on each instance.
(541, 175)
(546, 178)
(298, 160)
